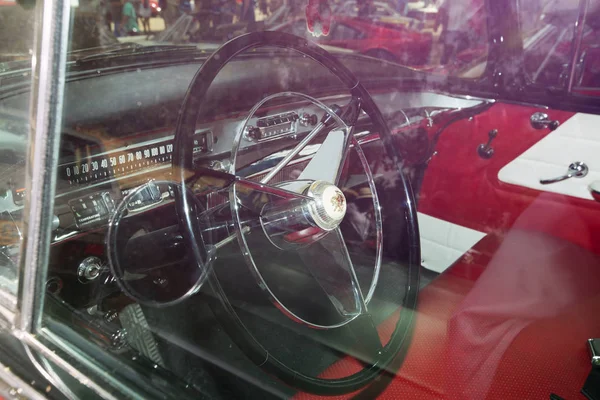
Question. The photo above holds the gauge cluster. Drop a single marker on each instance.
(92, 183)
(129, 160)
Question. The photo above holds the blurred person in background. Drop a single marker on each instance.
(144, 12)
(247, 14)
(169, 11)
(116, 14)
(129, 19)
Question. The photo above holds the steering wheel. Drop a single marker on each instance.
(296, 216)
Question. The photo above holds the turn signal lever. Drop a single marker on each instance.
(348, 114)
(328, 119)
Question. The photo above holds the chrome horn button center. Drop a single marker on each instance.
(328, 207)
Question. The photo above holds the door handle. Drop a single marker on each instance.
(485, 150)
(576, 170)
(540, 120)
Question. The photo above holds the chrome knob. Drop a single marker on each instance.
(308, 119)
(251, 133)
(485, 150)
(576, 170)
(89, 269)
(540, 120)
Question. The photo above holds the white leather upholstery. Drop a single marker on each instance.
(442, 242)
(577, 139)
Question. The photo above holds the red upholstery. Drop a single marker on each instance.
(508, 321)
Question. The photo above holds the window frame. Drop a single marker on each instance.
(21, 316)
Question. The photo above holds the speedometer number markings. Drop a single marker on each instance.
(125, 161)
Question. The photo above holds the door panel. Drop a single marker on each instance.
(461, 187)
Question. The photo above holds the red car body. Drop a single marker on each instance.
(386, 41)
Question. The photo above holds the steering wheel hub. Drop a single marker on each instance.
(298, 222)
(328, 207)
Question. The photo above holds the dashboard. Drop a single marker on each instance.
(100, 163)
(95, 173)
(96, 169)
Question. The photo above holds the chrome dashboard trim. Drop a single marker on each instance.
(141, 144)
(102, 183)
(129, 147)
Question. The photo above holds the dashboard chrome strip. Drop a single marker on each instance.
(102, 183)
(142, 144)
(129, 148)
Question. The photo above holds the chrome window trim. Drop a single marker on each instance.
(11, 385)
(51, 35)
(49, 66)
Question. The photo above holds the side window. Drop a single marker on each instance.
(16, 30)
(547, 55)
(589, 68)
(548, 46)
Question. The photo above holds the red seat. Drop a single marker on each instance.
(509, 320)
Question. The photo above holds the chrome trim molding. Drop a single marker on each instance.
(30, 340)
(11, 385)
(49, 64)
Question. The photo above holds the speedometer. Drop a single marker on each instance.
(117, 163)
(127, 161)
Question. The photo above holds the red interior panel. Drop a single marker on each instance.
(509, 320)
(463, 188)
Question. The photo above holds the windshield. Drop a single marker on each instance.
(301, 198)
(422, 35)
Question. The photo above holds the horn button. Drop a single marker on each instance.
(328, 207)
(298, 222)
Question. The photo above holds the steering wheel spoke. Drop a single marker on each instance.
(330, 264)
(368, 342)
(327, 163)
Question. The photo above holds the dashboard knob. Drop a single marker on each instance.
(55, 222)
(307, 119)
(89, 269)
(220, 165)
(252, 133)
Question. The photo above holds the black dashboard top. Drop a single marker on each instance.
(134, 98)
